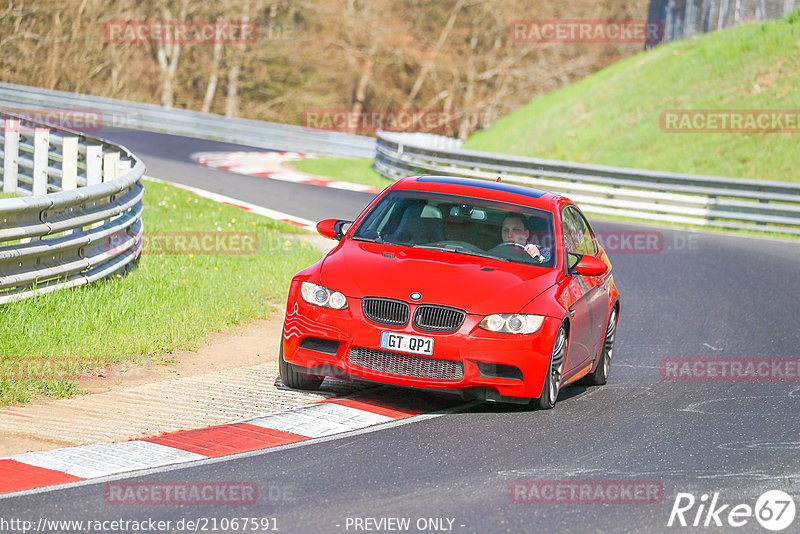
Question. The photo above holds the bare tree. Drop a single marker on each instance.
(426, 67)
(350, 54)
(213, 77)
(168, 54)
(239, 55)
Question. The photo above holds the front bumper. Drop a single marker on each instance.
(324, 339)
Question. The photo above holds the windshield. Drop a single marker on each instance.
(462, 225)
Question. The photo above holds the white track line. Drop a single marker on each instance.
(252, 208)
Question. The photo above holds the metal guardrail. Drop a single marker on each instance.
(734, 203)
(651, 195)
(76, 216)
(149, 117)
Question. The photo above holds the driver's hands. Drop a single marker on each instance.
(533, 250)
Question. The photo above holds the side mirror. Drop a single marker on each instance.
(588, 266)
(332, 228)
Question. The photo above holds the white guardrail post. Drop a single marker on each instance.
(759, 205)
(69, 164)
(10, 155)
(41, 153)
(94, 164)
(74, 220)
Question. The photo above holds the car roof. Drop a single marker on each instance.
(502, 191)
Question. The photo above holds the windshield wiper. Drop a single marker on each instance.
(431, 247)
(461, 250)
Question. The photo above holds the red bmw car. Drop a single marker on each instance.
(496, 291)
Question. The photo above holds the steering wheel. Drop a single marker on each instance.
(510, 244)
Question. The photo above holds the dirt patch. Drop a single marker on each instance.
(250, 344)
(245, 346)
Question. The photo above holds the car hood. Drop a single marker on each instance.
(478, 285)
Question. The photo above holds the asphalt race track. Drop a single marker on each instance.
(168, 157)
(693, 295)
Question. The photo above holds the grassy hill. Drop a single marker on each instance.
(612, 117)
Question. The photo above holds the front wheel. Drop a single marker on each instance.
(296, 377)
(552, 382)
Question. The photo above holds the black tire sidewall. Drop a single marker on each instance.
(293, 376)
(544, 402)
(597, 378)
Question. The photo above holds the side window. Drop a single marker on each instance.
(588, 241)
(578, 236)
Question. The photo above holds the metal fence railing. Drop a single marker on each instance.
(765, 206)
(149, 117)
(72, 208)
(683, 18)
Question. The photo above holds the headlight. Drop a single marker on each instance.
(322, 296)
(512, 323)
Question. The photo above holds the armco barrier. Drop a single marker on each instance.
(73, 212)
(651, 195)
(149, 117)
(758, 205)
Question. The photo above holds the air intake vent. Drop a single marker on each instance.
(438, 318)
(496, 370)
(328, 346)
(385, 311)
(406, 364)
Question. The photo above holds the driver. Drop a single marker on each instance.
(515, 230)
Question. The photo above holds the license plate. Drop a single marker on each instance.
(407, 343)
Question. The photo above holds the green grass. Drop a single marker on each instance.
(168, 302)
(355, 170)
(612, 117)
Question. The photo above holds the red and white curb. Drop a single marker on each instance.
(33, 470)
(270, 165)
(241, 204)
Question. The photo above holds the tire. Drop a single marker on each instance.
(296, 377)
(599, 376)
(555, 372)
